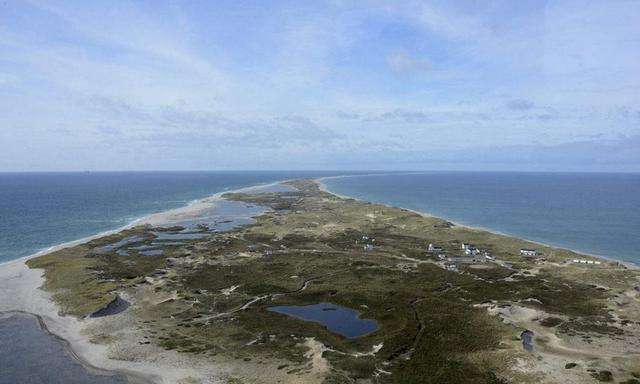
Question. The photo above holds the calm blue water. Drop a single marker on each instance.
(29, 355)
(595, 213)
(591, 212)
(39, 210)
(338, 319)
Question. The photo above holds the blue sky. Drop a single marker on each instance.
(473, 85)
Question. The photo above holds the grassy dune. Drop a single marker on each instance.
(209, 296)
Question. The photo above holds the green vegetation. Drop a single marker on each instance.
(210, 296)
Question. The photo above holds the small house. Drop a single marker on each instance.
(368, 247)
(433, 249)
(587, 262)
(471, 251)
(451, 267)
(528, 252)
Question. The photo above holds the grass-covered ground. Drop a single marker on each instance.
(210, 296)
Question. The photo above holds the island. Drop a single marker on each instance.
(321, 288)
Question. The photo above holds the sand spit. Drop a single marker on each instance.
(323, 187)
(118, 342)
(114, 343)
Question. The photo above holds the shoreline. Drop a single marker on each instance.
(191, 207)
(131, 377)
(323, 187)
(69, 331)
(30, 299)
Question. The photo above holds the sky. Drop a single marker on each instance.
(342, 85)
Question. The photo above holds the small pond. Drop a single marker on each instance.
(338, 319)
(527, 340)
(152, 252)
(173, 236)
(113, 308)
(119, 244)
(222, 215)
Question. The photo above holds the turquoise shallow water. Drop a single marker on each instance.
(595, 213)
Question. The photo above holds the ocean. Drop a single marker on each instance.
(40, 210)
(595, 213)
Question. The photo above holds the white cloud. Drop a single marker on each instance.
(313, 79)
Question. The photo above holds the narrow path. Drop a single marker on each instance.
(305, 285)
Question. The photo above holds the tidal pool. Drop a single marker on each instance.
(172, 236)
(527, 340)
(119, 244)
(113, 308)
(273, 188)
(152, 252)
(338, 319)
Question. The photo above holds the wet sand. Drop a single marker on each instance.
(19, 289)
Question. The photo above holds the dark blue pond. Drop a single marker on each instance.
(341, 320)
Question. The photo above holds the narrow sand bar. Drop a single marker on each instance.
(19, 289)
(20, 292)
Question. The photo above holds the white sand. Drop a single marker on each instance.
(19, 292)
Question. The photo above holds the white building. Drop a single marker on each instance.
(451, 267)
(584, 261)
(528, 252)
(432, 248)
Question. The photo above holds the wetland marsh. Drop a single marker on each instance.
(210, 298)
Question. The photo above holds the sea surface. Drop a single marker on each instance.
(595, 213)
(30, 355)
(40, 210)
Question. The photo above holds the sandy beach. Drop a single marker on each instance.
(323, 187)
(140, 363)
(115, 343)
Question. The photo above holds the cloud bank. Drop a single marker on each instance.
(373, 85)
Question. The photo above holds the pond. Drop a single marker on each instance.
(113, 308)
(126, 241)
(338, 319)
(527, 340)
(152, 252)
(272, 188)
(164, 236)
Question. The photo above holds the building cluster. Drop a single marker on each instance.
(471, 255)
(585, 261)
(433, 249)
(368, 243)
(529, 252)
(476, 253)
